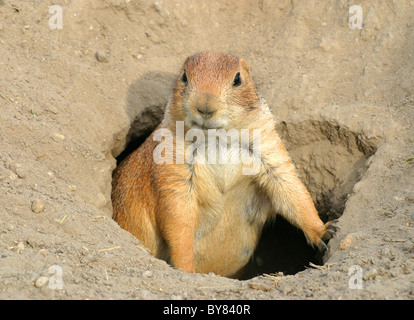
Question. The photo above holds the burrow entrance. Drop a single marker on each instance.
(329, 160)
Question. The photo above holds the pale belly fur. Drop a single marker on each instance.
(232, 213)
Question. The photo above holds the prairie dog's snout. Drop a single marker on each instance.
(205, 104)
(205, 110)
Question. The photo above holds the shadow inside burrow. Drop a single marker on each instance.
(282, 248)
(145, 105)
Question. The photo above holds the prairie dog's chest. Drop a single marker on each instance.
(216, 165)
(226, 196)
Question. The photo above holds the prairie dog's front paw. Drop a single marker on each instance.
(329, 231)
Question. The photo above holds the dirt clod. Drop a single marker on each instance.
(101, 56)
(41, 281)
(38, 205)
(346, 242)
(20, 247)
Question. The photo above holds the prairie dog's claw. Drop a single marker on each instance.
(322, 246)
(330, 231)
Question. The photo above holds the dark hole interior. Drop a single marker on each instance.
(132, 146)
(282, 248)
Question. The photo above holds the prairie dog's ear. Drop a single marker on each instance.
(244, 65)
(186, 61)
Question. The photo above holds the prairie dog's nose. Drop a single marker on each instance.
(205, 105)
(205, 111)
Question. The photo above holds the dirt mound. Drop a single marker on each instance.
(342, 97)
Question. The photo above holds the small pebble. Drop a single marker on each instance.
(17, 169)
(357, 187)
(371, 274)
(40, 282)
(157, 6)
(346, 242)
(101, 56)
(38, 205)
(53, 109)
(89, 258)
(412, 215)
(20, 247)
(13, 176)
(21, 173)
(58, 137)
(147, 274)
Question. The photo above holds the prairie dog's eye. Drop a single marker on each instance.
(237, 80)
(184, 78)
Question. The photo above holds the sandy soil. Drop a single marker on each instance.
(343, 99)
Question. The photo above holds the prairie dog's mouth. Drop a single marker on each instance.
(196, 121)
(205, 125)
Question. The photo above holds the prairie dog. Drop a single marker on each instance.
(207, 216)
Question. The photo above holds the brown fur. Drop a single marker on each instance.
(209, 217)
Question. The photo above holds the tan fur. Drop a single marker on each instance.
(209, 217)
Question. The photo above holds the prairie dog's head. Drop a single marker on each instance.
(214, 91)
